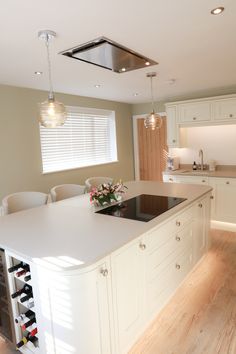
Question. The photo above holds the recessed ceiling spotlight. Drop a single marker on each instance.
(135, 94)
(97, 86)
(171, 81)
(123, 69)
(38, 73)
(147, 63)
(217, 10)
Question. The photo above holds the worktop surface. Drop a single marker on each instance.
(69, 235)
(206, 173)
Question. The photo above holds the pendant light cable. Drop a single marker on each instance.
(51, 94)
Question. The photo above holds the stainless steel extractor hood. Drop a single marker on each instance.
(109, 55)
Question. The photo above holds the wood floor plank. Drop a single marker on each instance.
(201, 317)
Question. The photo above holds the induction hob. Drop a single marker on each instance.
(144, 207)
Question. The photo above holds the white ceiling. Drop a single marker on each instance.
(190, 45)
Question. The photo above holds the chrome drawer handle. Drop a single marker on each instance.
(177, 238)
(200, 205)
(227, 182)
(178, 223)
(104, 272)
(177, 266)
(142, 246)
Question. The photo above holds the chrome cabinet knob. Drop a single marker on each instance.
(227, 182)
(173, 141)
(177, 266)
(211, 197)
(231, 115)
(178, 223)
(177, 238)
(142, 246)
(200, 205)
(194, 118)
(203, 181)
(104, 272)
(171, 179)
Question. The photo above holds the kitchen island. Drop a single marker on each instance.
(99, 280)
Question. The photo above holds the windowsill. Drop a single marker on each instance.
(79, 168)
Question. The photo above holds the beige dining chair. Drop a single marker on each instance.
(65, 191)
(23, 200)
(96, 181)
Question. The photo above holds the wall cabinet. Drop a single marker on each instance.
(195, 112)
(172, 127)
(206, 111)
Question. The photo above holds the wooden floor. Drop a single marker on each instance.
(201, 318)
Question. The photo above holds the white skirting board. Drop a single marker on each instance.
(223, 225)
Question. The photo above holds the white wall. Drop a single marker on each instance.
(217, 142)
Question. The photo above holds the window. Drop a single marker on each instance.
(87, 138)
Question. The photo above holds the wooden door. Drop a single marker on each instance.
(152, 148)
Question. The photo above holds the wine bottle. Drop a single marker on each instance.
(26, 297)
(26, 339)
(16, 267)
(27, 277)
(26, 289)
(28, 314)
(28, 323)
(26, 269)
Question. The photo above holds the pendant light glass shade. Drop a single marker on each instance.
(153, 120)
(52, 113)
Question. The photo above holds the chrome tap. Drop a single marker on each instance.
(201, 157)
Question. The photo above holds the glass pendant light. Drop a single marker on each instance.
(153, 120)
(51, 112)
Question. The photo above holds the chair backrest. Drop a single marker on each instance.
(65, 191)
(23, 200)
(96, 181)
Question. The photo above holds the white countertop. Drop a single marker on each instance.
(68, 235)
(204, 173)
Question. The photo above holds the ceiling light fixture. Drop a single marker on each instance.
(51, 112)
(97, 86)
(153, 120)
(135, 94)
(217, 10)
(38, 73)
(147, 63)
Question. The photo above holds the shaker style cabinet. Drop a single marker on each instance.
(224, 109)
(127, 265)
(172, 127)
(195, 112)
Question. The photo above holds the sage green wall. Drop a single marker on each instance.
(20, 157)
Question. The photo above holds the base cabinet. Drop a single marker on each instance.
(104, 308)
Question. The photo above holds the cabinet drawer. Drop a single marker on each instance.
(163, 286)
(195, 112)
(161, 257)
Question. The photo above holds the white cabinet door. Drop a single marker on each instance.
(74, 311)
(195, 112)
(201, 229)
(172, 127)
(225, 197)
(225, 109)
(128, 294)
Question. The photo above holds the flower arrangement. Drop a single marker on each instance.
(107, 193)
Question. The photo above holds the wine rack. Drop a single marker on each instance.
(22, 300)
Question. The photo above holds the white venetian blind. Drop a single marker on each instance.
(87, 138)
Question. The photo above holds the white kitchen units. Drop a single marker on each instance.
(198, 112)
(99, 280)
(223, 185)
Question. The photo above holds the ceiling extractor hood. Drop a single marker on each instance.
(109, 55)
